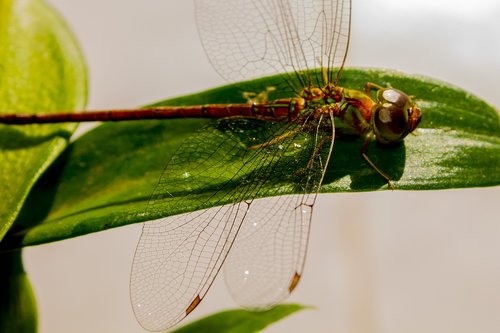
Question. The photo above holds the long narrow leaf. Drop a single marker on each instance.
(106, 177)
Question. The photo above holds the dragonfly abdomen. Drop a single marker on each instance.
(274, 111)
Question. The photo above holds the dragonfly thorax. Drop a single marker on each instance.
(321, 100)
(327, 95)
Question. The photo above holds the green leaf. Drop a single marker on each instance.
(18, 312)
(41, 68)
(106, 177)
(240, 321)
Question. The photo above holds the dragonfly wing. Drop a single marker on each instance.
(178, 258)
(268, 257)
(176, 261)
(248, 39)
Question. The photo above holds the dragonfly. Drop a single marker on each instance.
(264, 148)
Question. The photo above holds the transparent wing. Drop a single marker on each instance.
(268, 257)
(176, 261)
(177, 258)
(247, 39)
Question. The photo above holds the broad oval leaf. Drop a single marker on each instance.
(105, 178)
(41, 68)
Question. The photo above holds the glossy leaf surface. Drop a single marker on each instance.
(240, 321)
(105, 178)
(41, 69)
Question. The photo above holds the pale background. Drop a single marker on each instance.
(378, 262)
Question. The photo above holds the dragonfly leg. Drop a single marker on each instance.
(364, 149)
(261, 97)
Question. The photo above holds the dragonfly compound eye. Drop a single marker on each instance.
(394, 116)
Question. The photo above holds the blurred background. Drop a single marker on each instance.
(378, 262)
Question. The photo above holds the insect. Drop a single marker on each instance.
(178, 258)
(262, 147)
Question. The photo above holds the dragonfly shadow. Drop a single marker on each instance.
(348, 161)
(15, 139)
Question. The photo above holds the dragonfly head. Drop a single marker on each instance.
(394, 116)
